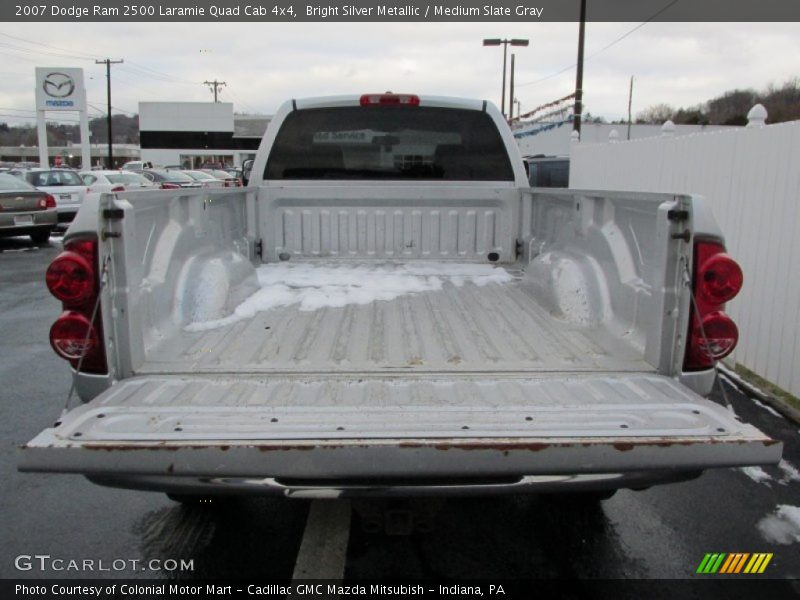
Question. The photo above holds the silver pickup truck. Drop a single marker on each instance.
(389, 309)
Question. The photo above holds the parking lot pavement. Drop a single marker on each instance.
(663, 532)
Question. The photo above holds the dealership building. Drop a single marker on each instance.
(192, 134)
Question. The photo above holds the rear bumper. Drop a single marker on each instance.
(387, 488)
(40, 221)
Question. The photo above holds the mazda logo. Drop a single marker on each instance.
(58, 85)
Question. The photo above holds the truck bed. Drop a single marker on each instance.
(473, 329)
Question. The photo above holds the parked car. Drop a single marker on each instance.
(548, 171)
(65, 185)
(134, 165)
(205, 179)
(221, 174)
(114, 181)
(24, 210)
(561, 350)
(169, 180)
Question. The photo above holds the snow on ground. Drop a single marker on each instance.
(314, 286)
(757, 474)
(782, 527)
(790, 472)
(767, 408)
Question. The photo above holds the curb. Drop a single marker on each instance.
(788, 411)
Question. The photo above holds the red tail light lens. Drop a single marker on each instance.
(389, 99)
(169, 186)
(50, 201)
(715, 340)
(720, 278)
(70, 278)
(72, 336)
(118, 188)
(73, 278)
(712, 333)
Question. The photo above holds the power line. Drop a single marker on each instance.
(162, 74)
(604, 48)
(13, 37)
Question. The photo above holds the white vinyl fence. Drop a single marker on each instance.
(751, 177)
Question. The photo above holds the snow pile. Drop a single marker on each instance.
(790, 472)
(314, 286)
(757, 474)
(783, 527)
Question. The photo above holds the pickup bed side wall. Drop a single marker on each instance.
(606, 258)
(181, 256)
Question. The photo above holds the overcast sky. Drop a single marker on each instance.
(264, 63)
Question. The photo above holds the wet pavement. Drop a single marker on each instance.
(663, 532)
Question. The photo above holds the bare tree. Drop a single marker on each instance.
(656, 114)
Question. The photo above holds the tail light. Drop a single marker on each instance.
(169, 186)
(717, 279)
(45, 202)
(118, 188)
(73, 336)
(73, 279)
(389, 99)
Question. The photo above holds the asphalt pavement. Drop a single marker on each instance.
(663, 532)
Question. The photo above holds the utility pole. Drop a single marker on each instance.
(511, 92)
(579, 77)
(630, 99)
(215, 85)
(108, 62)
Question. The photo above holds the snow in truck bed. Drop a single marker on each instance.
(411, 317)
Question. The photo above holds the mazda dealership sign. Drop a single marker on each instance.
(60, 89)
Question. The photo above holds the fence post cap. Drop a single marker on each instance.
(668, 128)
(757, 116)
(613, 136)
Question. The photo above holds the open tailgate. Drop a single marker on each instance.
(328, 426)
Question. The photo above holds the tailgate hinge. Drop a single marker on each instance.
(111, 214)
(677, 214)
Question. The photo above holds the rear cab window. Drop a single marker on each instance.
(389, 142)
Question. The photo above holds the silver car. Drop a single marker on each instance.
(24, 210)
(66, 187)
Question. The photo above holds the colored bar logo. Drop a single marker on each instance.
(734, 563)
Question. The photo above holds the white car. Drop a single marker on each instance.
(135, 165)
(64, 185)
(114, 181)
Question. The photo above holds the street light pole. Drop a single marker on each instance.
(505, 43)
(579, 75)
